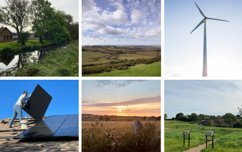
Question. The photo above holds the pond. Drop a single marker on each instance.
(16, 62)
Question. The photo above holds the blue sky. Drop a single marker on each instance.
(184, 51)
(210, 97)
(121, 22)
(64, 95)
(117, 97)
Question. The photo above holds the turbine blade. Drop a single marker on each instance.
(197, 26)
(217, 19)
(200, 10)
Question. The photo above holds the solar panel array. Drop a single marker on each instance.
(53, 127)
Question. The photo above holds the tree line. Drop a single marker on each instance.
(228, 118)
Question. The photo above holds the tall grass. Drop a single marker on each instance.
(121, 137)
(60, 62)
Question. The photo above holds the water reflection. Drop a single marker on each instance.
(16, 62)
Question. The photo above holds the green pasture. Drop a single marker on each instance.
(15, 44)
(174, 137)
(227, 143)
(153, 69)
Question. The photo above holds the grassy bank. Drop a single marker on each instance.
(153, 69)
(15, 44)
(60, 62)
(174, 137)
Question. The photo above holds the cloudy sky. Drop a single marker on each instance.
(69, 6)
(121, 22)
(128, 97)
(210, 97)
(184, 51)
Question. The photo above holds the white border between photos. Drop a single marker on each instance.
(122, 78)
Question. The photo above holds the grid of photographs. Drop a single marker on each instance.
(145, 75)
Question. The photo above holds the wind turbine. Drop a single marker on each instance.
(205, 40)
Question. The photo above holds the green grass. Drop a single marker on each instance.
(153, 69)
(174, 138)
(87, 57)
(15, 44)
(227, 143)
(60, 62)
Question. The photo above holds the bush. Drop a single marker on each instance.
(237, 125)
(6, 53)
(23, 38)
(107, 118)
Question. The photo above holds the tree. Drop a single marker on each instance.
(194, 117)
(42, 12)
(101, 117)
(57, 29)
(210, 123)
(229, 118)
(202, 116)
(48, 22)
(24, 37)
(165, 116)
(16, 14)
(179, 115)
(230, 121)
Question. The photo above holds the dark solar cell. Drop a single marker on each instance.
(52, 127)
(38, 103)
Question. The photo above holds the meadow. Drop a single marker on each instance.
(227, 139)
(15, 44)
(121, 61)
(119, 136)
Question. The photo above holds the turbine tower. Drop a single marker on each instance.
(205, 40)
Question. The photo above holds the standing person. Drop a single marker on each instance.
(17, 108)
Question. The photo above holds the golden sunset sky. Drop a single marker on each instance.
(122, 97)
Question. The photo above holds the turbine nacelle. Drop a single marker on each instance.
(205, 18)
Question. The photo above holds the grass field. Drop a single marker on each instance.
(153, 69)
(122, 138)
(15, 44)
(96, 58)
(227, 139)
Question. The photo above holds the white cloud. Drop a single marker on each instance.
(110, 30)
(136, 16)
(114, 18)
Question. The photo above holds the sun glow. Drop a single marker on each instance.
(120, 108)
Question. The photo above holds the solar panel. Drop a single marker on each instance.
(38, 103)
(53, 127)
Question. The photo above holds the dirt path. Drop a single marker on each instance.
(199, 148)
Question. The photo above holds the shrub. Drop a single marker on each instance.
(6, 53)
(237, 125)
(23, 38)
(107, 118)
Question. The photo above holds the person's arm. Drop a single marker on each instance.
(27, 98)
